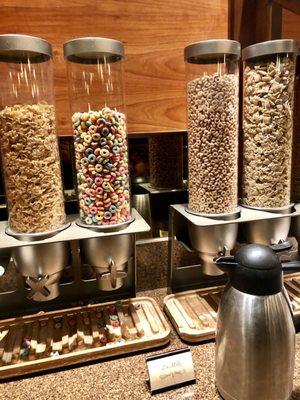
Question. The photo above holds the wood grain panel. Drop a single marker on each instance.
(154, 32)
(290, 25)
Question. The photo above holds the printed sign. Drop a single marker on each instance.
(169, 370)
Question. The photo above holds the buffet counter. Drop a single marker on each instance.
(125, 377)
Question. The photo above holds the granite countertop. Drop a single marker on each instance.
(125, 377)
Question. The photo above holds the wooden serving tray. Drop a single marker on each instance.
(60, 338)
(194, 313)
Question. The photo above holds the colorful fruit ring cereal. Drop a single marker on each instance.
(102, 166)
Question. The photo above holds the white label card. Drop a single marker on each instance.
(171, 369)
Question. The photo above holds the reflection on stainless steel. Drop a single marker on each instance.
(112, 279)
(44, 287)
(141, 202)
(42, 266)
(213, 240)
(32, 237)
(269, 231)
(255, 347)
(109, 256)
(106, 228)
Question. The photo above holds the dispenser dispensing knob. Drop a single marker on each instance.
(38, 285)
(113, 274)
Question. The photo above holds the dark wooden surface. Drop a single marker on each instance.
(290, 25)
(154, 32)
(253, 21)
(291, 5)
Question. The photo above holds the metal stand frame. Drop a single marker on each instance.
(190, 277)
(77, 292)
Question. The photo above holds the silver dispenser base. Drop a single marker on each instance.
(269, 231)
(109, 256)
(204, 236)
(42, 266)
(211, 241)
(76, 288)
(201, 234)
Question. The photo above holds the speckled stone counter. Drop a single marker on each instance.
(124, 378)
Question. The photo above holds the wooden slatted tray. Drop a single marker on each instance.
(194, 313)
(60, 338)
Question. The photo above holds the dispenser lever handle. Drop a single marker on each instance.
(282, 246)
(113, 273)
(37, 285)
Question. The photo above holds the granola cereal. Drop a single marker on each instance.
(31, 167)
(268, 132)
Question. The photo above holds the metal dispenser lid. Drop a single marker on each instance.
(255, 269)
(270, 47)
(89, 50)
(19, 48)
(211, 49)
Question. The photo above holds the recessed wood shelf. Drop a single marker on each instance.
(194, 313)
(65, 337)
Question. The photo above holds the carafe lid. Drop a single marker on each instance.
(255, 269)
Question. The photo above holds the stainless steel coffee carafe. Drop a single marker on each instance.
(255, 339)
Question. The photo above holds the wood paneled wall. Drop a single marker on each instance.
(154, 32)
(290, 25)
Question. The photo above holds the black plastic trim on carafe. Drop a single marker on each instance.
(255, 269)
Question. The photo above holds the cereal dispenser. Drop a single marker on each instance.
(296, 139)
(268, 106)
(212, 74)
(29, 150)
(211, 223)
(30, 158)
(95, 71)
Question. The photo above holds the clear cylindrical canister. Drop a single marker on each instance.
(268, 102)
(212, 74)
(29, 148)
(166, 161)
(296, 141)
(95, 72)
